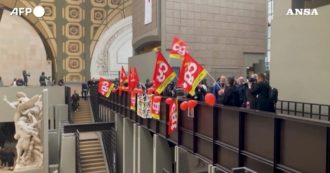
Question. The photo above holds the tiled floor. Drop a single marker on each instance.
(5, 170)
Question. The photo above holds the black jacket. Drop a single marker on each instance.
(252, 99)
(262, 91)
(200, 93)
(242, 94)
(230, 97)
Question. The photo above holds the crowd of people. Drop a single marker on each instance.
(7, 157)
(254, 92)
(23, 81)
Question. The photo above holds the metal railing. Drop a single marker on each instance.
(101, 113)
(231, 137)
(302, 109)
(69, 103)
(108, 137)
(78, 166)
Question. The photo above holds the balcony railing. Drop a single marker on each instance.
(69, 103)
(302, 109)
(231, 137)
(107, 130)
(78, 166)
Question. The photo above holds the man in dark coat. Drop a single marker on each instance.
(262, 91)
(84, 90)
(25, 77)
(75, 101)
(148, 84)
(230, 97)
(242, 87)
(42, 79)
(200, 93)
(250, 98)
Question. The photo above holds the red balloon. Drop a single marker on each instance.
(114, 90)
(120, 91)
(135, 90)
(210, 99)
(139, 91)
(192, 103)
(151, 90)
(157, 98)
(169, 101)
(184, 105)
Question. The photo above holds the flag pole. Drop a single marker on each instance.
(213, 79)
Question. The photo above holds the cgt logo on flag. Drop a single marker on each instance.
(163, 73)
(173, 117)
(191, 74)
(105, 87)
(179, 49)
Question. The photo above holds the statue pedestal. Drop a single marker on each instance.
(29, 170)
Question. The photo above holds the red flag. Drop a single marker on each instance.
(105, 87)
(131, 80)
(133, 101)
(191, 74)
(155, 107)
(163, 73)
(172, 117)
(136, 77)
(123, 76)
(179, 49)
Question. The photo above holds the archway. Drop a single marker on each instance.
(40, 26)
(22, 48)
(113, 50)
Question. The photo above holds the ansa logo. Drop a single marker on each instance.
(302, 12)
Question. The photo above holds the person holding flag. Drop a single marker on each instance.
(191, 74)
(163, 74)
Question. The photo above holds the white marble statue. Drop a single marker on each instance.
(27, 118)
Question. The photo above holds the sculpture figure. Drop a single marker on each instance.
(27, 119)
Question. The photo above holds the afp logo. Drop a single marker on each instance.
(37, 11)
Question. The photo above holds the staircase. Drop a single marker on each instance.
(91, 157)
(83, 114)
(90, 149)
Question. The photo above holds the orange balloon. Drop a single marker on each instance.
(184, 105)
(192, 103)
(169, 101)
(210, 99)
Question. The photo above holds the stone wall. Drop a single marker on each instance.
(71, 29)
(217, 32)
(21, 48)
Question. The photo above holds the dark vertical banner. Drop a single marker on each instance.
(1, 12)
